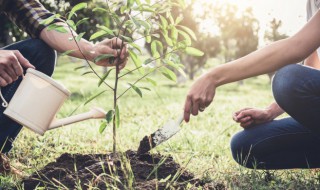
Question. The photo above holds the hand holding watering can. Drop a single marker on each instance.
(38, 99)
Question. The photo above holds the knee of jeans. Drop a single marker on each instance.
(241, 150)
(46, 57)
(286, 83)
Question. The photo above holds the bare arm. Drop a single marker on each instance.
(61, 42)
(313, 60)
(265, 60)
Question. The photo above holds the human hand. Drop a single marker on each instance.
(110, 46)
(199, 97)
(11, 62)
(252, 116)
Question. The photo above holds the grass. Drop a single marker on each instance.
(202, 144)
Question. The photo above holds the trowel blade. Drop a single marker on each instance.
(169, 129)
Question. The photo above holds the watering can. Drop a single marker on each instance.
(38, 99)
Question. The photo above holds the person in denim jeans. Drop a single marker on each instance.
(265, 143)
(40, 53)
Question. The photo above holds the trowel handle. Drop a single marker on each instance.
(181, 118)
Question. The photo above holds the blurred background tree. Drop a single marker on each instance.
(221, 30)
(273, 34)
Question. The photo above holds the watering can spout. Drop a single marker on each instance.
(94, 113)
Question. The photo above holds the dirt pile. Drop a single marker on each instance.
(123, 171)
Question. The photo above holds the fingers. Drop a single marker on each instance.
(3, 82)
(187, 109)
(247, 124)
(23, 61)
(6, 77)
(237, 112)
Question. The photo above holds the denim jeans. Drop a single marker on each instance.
(43, 58)
(292, 142)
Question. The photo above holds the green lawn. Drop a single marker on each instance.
(204, 141)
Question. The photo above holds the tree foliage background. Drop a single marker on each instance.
(236, 33)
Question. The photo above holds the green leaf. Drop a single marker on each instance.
(145, 88)
(135, 88)
(130, 3)
(103, 78)
(85, 73)
(57, 28)
(49, 20)
(126, 38)
(79, 37)
(174, 33)
(106, 29)
(117, 117)
(148, 38)
(164, 22)
(135, 60)
(159, 46)
(94, 97)
(81, 67)
(98, 34)
(147, 9)
(102, 127)
(154, 50)
(81, 21)
(186, 37)
(77, 8)
(109, 116)
(135, 46)
(145, 24)
(168, 40)
(177, 67)
(169, 74)
(189, 31)
(171, 19)
(179, 19)
(102, 56)
(67, 52)
(148, 61)
(194, 52)
(154, 83)
(71, 24)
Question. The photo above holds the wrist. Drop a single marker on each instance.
(270, 114)
(87, 49)
(214, 75)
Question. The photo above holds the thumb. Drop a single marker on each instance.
(23, 61)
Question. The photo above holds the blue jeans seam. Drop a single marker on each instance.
(277, 136)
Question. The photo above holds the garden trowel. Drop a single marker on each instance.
(167, 131)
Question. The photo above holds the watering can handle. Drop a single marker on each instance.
(4, 102)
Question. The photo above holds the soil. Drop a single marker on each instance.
(110, 171)
(146, 144)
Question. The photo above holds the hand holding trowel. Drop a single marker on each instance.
(167, 131)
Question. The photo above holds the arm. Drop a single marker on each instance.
(252, 116)
(268, 59)
(60, 42)
(313, 60)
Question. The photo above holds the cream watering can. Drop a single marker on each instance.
(38, 99)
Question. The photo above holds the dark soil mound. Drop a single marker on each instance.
(111, 171)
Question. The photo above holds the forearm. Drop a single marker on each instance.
(272, 57)
(63, 42)
(313, 61)
(265, 60)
